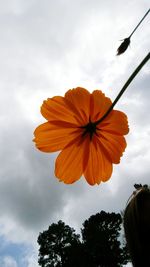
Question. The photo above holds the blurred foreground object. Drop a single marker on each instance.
(137, 226)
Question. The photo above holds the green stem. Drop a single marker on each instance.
(125, 87)
(139, 23)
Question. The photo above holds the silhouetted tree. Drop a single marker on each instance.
(100, 235)
(55, 244)
(100, 245)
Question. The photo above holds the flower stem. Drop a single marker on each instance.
(125, 87)
(139, 23)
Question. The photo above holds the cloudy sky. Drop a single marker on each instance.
(46, 48)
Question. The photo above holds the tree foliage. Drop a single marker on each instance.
(55, 244)
(101, 239)
(100, 246)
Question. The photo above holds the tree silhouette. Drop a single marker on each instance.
(100, 235)
(55, 244)
(99, 247)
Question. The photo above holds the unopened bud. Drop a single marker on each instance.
(123, 47)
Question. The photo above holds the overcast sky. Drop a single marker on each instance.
(46, 48)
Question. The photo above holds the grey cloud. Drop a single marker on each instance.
(29, 191)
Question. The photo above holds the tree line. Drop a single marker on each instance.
(100, 244)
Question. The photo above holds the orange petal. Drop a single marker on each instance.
(69, 163)
(116, 123)
(99, 105)
(56, 108)
(99, 166)
(53, 136)
(114, 145)
(79, 99)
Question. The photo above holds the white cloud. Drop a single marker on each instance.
(8, 261)
(30, 258)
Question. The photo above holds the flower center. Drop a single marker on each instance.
(90, 129)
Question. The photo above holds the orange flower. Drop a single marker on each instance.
(88, 147)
